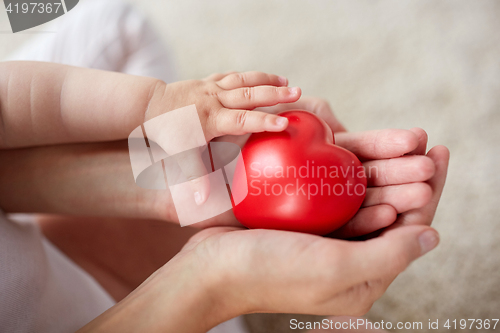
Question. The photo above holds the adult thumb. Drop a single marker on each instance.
(392, 252)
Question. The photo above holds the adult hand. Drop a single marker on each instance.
(226, 271)
(223, 272)
(398, 171)
(420, 216)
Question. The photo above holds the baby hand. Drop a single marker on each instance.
(223, 103)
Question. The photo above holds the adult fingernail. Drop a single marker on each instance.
(281, 121)
(283, 80)
(428, 240)
(197, 198)
(293, 91)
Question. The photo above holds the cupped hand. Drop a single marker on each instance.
(288, 272)
(278, 271)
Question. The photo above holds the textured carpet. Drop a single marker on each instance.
(381, 64)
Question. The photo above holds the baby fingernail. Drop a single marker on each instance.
(281, 121)
(428, 240)
(197, 198)
(283, 80)
(293, 91)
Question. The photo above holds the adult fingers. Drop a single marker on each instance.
(322, 109)
(441, 156)
(317, 106)
(251, 79)
(252, 97)
(367, 220)
(402, 197)
(388, 254)
(237, 122)
(402, 170)
(378, 144)
(422, 141)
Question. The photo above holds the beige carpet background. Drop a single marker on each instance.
(381, 64)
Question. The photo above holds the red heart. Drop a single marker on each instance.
(298, 179)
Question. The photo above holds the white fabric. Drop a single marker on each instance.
(42, 290)
(109, 35)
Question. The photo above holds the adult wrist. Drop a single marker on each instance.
(182, 297)
(201, 292)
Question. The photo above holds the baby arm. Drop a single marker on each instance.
(46, 103)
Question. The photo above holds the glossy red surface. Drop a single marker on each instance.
(298, 180)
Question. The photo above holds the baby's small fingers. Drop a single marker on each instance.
(402, 197)
(251, 79)
(253, 97)
(400, 170)
(238, 122)
(218, 76)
